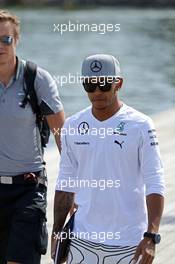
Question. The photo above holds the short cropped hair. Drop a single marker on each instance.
(6, 16)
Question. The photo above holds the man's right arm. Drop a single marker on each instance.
(64, 194)
(63, 203)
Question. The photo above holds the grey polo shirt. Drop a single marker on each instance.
(20, 149)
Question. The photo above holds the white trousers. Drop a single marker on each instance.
(87, 252)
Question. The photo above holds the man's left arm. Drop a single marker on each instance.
(49, 102)
(146, 248)
(155, 205)
(153, 175)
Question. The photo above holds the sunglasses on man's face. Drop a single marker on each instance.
(104, 85)
(6, 40)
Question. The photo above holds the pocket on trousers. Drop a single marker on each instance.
(42, 240)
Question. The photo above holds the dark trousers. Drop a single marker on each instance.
(22, 220)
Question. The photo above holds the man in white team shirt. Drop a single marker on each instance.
(111, 168)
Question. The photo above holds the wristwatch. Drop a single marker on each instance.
(156, 238)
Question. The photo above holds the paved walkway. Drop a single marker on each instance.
(165, 124)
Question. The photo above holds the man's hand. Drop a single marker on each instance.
(54, 241)
(146, 249)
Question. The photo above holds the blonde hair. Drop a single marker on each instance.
(6, 16)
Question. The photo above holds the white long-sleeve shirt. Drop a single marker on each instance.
(111, 165)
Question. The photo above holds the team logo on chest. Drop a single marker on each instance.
(119, 130)
(83, 128)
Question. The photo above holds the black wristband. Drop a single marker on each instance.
(156, 238)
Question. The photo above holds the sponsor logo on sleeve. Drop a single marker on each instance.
(151, 130)
(154, 143)
(152, 136)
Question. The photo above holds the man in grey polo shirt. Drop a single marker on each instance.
(23, 236)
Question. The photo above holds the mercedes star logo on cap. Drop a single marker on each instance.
(96, 66)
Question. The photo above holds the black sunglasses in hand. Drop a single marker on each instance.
(6, 40)
(104, 85)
